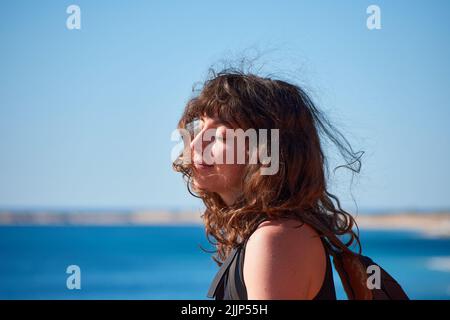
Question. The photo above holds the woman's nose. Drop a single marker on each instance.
(197, 145)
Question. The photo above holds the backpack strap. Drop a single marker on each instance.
(350, 269)
(353, 276)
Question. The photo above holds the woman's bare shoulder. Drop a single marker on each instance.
(284, 229)
(284, 259)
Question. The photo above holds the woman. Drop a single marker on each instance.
(271, 231)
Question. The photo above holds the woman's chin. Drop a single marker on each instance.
(201, 186)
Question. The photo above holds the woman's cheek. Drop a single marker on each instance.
(218, 152)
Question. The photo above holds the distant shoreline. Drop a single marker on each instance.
(433, 224)
(429, 224)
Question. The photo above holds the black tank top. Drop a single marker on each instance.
(228, 284)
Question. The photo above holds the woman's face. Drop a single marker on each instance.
(212, 171)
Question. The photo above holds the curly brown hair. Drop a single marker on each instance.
(299, 189)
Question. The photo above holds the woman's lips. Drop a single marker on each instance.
(202, 166)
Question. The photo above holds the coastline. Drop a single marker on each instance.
(433, 224)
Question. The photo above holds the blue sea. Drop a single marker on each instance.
(156, 262)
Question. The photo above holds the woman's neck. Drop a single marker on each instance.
(229, 197)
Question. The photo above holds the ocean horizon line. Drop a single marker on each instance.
(429, 223)
(177, 209)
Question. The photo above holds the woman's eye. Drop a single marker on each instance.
(219, 136)
(194, 127)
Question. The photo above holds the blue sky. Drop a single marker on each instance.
(86, 115)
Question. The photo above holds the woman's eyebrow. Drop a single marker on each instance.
(219, 123)
(215, 122)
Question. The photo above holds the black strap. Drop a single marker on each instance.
(217, 279)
